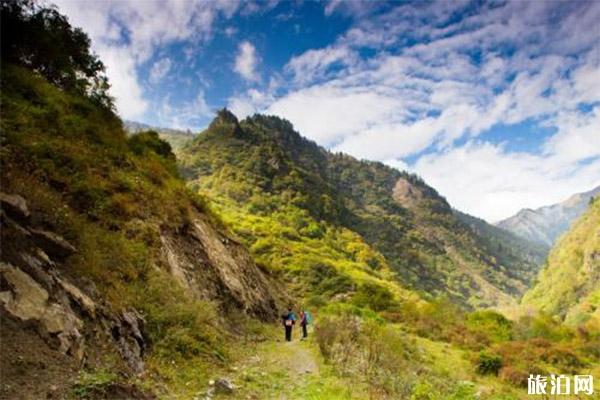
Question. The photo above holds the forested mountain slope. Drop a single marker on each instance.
(507, 248)
(569, 283)
(260, 169)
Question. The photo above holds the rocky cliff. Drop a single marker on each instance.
(107, 259)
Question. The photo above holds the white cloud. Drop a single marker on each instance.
(449, 82)
(578, 136)
(159, 70)
(246, 62)
(190, 115)
(427, 81)
(127, 33)
(313, 64)
(492, 183)
(122, 75)
(328, 113)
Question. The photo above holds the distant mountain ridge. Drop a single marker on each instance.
(177, 138)
(546, 224)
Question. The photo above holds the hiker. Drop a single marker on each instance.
(303, 323)
(289, 319)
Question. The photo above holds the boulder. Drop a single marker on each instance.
(15, 206)
(224, 386)
(26, 300)
(53, 244)
(84, 302)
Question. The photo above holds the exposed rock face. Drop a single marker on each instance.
(15, 205)
(34, 293)
(215, 267)
(52, 243)
(406, 194)
(29, 302)
(62, 317)
(223, 385)
(127, 332)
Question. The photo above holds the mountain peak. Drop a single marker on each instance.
(224, 117)
(545, 224)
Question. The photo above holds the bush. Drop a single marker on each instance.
(541, 326)
(490, 324)
(179, 326)
(376, 297)
(327, 332)
(143, 142)
(93, 384)
(488, 364)
(515, 376)
(424, 391)
(313, 231)
(438, 319)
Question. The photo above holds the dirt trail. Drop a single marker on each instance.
(292, 358)
(299, 358)
(278, 370)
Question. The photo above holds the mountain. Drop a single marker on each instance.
(260, 169)
(507, 248)
(175, 137)
(569, 283)
(544, 225)
(120, 281)
(108, 262)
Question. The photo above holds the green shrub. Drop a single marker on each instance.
(143, 142)
(488, 364)
(313, 231)
(178, 325)
(326, 332)
(490, 324)
(541, 326)
(376, 297)
(93, 384)
(424, 391)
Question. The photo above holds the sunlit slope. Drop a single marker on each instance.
(569, 283)
(281, 192)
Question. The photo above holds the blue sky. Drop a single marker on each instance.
(496, 104)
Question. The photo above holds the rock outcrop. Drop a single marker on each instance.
(213, 266)
(35, 294)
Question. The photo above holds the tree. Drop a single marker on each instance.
(41, 39)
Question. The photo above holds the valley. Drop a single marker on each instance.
(138, 264)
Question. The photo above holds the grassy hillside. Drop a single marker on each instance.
(569, 283)
(280, 191)
(101, 228)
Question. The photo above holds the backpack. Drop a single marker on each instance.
(308, 317)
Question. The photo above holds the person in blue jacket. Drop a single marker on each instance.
(289, 320)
